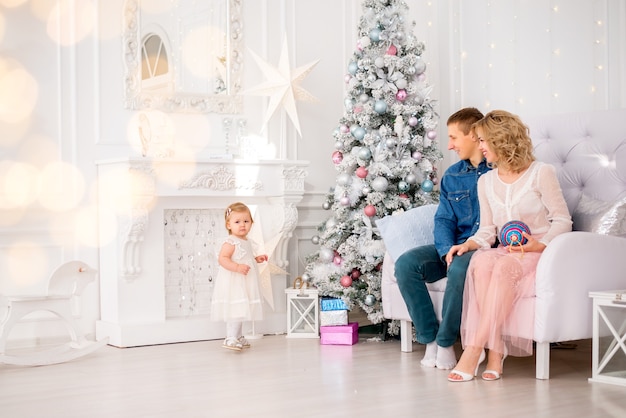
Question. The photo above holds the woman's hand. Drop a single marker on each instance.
(533, 245)
(458, 249)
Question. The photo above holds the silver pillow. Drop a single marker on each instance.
(607, 218)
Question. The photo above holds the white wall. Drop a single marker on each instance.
(529, 57)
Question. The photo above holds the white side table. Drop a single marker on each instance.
(302, 313)
(609, 334)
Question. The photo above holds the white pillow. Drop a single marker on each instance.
(406, 230)
(607, 218)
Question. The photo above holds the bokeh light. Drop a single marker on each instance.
(27, 265)
(62, 186)
(19, 184)
(9, 4)
(18, 92)
(81, 12)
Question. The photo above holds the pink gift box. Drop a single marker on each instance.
(340, 334)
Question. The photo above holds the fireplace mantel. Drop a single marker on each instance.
(135, 193)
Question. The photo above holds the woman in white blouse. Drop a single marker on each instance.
(521, 189)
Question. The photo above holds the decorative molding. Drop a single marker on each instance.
(294, 178)
(220, 179)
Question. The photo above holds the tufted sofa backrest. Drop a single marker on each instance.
(588, 150)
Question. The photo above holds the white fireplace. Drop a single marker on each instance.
(161, 224)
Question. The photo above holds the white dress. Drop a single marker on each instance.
(236, 297)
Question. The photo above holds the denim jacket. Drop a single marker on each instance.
(458, 215)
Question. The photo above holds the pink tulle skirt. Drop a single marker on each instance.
(498, 301)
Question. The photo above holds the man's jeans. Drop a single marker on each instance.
(423, 265)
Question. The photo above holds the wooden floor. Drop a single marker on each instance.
(280, 377)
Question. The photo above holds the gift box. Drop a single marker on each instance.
(328, 318)
(333, 304)
(340, 334)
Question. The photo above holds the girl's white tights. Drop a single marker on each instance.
(234, 329)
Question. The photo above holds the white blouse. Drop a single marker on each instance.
(535, 198)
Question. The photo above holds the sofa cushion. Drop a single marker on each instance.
(403, 231)
(607, 218)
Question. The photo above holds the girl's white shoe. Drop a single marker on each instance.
(232, 344)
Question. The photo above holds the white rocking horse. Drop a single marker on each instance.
(67, 281)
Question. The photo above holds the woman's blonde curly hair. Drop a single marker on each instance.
(508, 138)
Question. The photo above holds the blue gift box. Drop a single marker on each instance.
(332, 304)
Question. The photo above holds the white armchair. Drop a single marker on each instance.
(589, 152)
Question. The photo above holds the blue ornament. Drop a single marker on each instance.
(427, 185)
(380, 107)
(365, 154)
(359, 133)
(375, 35)
(403, 186)
(511, 233)
(352, 67)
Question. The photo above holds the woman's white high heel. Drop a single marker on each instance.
(466, 377)
(496, 375)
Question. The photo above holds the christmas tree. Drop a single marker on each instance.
(386, 156)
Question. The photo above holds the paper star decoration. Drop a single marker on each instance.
(268, 268)
(283, 86)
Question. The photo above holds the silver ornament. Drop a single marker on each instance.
(326, 205)
(370, 300)
(326, 254)
(344, 179)
(411, 178)
(315, 239)
(380, 184)
(306, 277)
(366, 190)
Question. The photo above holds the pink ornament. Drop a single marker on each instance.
(347, 78)
(369, 210)
(344, 129)
(361, 172)
(413, 121)
(416, 155)
(345, 201)
(337, 157)
(346, 281)
(431, 134)
(355, 274)
(358, 109)
(435, 180)
(403, 195)
(337, 260)
(359, 46)
(401, 95)
(421, 77)
(392, 50)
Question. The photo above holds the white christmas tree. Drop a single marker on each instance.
(386, 156)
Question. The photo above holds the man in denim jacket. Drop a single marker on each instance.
(456, 219)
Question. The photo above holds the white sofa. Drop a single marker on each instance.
(589, 151)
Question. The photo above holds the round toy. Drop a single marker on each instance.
(511, 233)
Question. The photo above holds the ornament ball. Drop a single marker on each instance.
(380, 107)
(416, 155)
(346, 281)
(392, 50)
(337, 260)
(326, 205)
(359, 133)
(315, 239)
(401, 95)
(306, 277)
(370, 300)
(337, 157)
(432, 134)
(356, 273)
(326, 254)
(375, 35)
(344, 179)
(427, 185)
(380, 184)
(361, 172)
(403, 186)
(369, 210)
(413, 121)
(345, 201)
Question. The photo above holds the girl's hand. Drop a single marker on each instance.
(533, 245)
(261, 258)
(242, 269)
